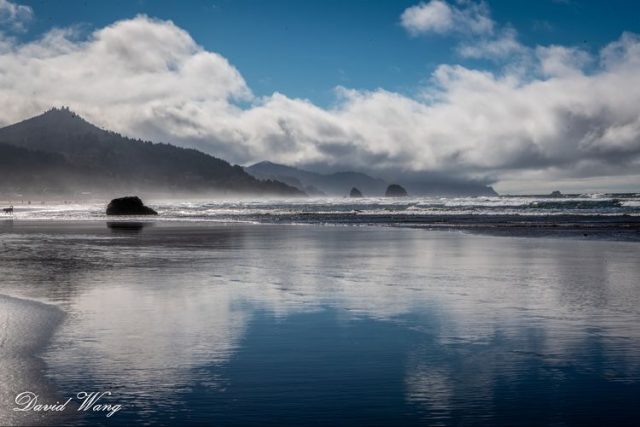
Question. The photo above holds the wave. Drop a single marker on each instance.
(265, 209)
(576, 204)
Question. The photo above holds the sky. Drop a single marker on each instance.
(529, 96)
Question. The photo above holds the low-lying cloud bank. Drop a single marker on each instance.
(553, 112)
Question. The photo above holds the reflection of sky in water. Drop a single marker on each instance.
(337, 324)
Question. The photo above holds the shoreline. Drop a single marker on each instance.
(562, 227)
(27, 327)
(45, 316)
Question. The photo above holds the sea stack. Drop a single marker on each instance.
(355, 193)
(395, 190)
(556, 194)
(131, 205)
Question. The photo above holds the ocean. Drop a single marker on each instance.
(613, 216)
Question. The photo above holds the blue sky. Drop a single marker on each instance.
(306, 48)
(529, 96)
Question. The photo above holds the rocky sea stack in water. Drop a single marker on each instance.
(395, 190)
(355, 193)
(131, 205)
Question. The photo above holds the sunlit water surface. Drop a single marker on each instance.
(329, 209)
(240, 324)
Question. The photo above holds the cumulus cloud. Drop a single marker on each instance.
(438, 16)
(14, 17)
(125, 75)
(470, 21)
(562, 61)
(504, 44)
(576, 116)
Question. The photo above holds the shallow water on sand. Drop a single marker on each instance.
(238, 324)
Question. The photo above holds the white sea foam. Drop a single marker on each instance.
(265, 209)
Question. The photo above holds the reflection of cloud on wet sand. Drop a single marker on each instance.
(150, 341)
(491, 304)
(431, 387)
(158, 312)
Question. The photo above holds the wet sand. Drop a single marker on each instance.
(254, 324)
(26, 327)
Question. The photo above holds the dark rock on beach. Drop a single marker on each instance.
(129, 206)
(355, 193)
(395, 190)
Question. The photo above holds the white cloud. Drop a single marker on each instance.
(121, 75)
(470, 21)
(434, 16)
(440, 17)
(500, 46)
(148, 78)
(561, 60)
(623, 53)
(14, 16)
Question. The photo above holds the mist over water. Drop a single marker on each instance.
(242, 324)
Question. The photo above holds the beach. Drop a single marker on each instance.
(26, 327)
(320, 213)
(290, 324)
(590, 216)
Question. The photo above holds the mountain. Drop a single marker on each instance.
(58, 152)
(337, 184)
(340, 183)
(449, 189)
(436, 185)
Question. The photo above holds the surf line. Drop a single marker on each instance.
(90, 401)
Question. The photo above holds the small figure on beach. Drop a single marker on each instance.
(8, 210)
